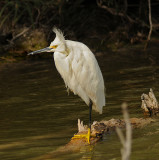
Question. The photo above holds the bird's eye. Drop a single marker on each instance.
(54, 47)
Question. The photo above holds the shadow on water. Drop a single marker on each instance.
(37, 116)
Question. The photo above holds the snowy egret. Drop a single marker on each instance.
(80, 71)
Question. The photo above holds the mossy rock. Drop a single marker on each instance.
(30, 41)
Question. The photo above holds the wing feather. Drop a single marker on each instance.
(88, 76)
(82, 74)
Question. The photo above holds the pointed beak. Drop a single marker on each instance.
(47, 49)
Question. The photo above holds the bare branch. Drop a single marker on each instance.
(114, 12)
(18, 35)
(150, 21)
(121, 136)
(126, 142)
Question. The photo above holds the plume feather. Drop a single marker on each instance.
(59, 34)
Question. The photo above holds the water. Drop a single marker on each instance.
(37, 116)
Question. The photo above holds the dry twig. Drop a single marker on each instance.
(114, 12)
(126, 142)
(149, 103)
(19, 35)
(150, 21)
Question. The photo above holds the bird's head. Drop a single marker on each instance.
(57, 45)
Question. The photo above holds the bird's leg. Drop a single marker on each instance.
(90, 121)
(88, 135)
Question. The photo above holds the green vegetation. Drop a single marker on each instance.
(23, 12)
(101, 24)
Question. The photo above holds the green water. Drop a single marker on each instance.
(37, 116)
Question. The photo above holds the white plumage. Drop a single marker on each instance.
(79, 69)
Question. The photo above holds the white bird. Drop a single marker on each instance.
(80, 71)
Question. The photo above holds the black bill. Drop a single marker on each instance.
(40, 51)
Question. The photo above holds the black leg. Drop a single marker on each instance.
(90, 114)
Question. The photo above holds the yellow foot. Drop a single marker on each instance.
(87, 136)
